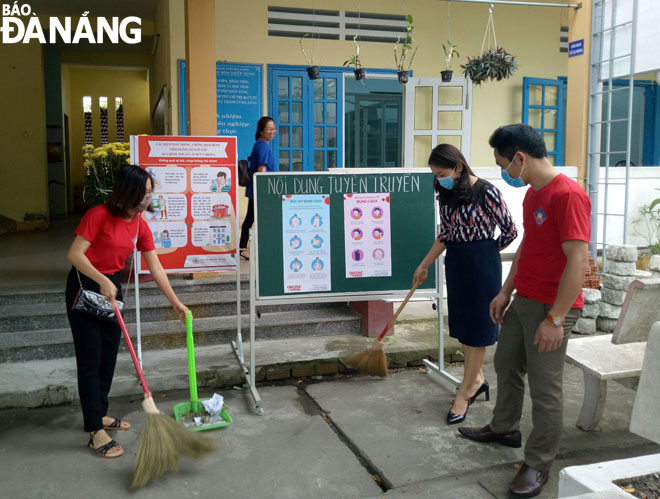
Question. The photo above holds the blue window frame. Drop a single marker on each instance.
(307, 114)
(646, 121)
(544, 109)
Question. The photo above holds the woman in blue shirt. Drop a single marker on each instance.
(261, 160)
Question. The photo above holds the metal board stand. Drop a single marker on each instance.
(430, 366)
(237, 344)
(136, 286)
(249, 370)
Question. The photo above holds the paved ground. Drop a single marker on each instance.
(339, 437)
(336, 437)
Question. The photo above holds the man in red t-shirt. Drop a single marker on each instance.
(547, 272)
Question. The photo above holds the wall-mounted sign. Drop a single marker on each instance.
(576, 48)
(239, 106)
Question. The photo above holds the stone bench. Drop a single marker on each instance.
(616, 356)
(644, 419)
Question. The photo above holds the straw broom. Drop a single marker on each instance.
(372, 361)
(163, 439)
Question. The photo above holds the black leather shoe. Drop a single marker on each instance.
(484, 388)
(485, 434)
(453, 418)
(528, 482)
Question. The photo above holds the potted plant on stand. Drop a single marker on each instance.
(450, 52)
(101, 165)
(312, 71)
(401, 56)
(355, 62)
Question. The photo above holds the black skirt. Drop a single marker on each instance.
(474, 276)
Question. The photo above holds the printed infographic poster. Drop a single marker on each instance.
(193, 215)
(306, 243)
(367, 236)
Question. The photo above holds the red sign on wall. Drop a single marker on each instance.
(194, 217)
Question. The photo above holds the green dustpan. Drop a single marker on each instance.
(184, 411)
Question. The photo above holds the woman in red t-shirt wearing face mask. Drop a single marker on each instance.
(103, 242)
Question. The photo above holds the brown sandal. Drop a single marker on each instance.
(103, 450)
(116, 425)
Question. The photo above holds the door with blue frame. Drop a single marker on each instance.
(307, 114)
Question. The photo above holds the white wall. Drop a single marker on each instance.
(643, 186)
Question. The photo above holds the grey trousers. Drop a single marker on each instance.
(515, 356)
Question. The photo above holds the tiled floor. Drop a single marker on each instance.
(32, 258)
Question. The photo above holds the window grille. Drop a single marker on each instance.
(119, 116)
(103, 112)
(87, 113)
(563, 39)
(336, 24)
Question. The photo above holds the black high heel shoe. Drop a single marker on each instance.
(484, 388)
(453, 418)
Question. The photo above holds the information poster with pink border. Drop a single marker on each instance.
(306, 243)
(367, 236)
(194, 211)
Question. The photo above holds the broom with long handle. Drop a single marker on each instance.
(163, 439)
(372, 361)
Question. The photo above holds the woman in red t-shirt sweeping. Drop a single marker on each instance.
(103, 241)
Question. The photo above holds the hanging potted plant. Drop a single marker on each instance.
(401, 59)
(493, 64)
(312, 71)
(450, 52)
(355, 62)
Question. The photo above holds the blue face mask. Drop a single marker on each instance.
(447, 182)
(513, 182)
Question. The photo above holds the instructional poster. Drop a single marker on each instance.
(306, 243)
(193, 215)
(367, 236)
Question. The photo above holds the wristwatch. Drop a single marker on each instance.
(555, 320)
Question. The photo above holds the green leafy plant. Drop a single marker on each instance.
(450, 52)
(354, 60)
(401, 59)
(101, 165)
(647, 224)
(494, 64)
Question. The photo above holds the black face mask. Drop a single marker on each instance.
(144, 204)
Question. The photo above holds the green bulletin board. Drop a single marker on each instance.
(412, 225)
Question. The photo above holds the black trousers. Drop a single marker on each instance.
(96, 342)
(247, 224)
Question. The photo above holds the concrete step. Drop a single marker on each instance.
(39, 383)
(40, 316)
(54, 293)
(20, 346)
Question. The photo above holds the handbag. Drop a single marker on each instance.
(95, 304)
(244, 173)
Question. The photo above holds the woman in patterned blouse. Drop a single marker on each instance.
(470, 209)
